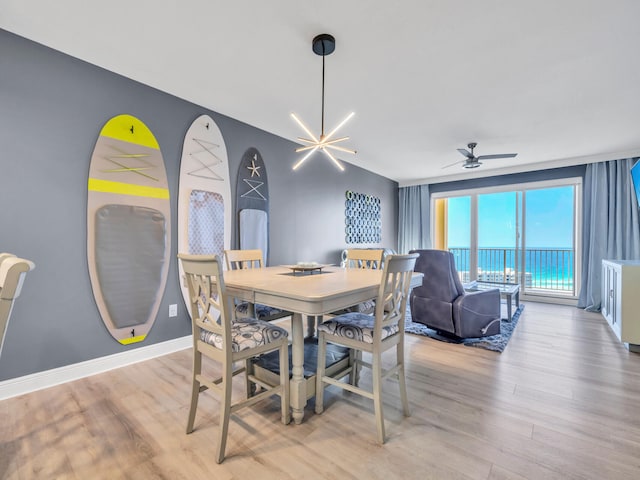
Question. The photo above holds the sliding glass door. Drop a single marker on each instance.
(524, 234)
(498, 236)
(458, 237)
(550, 240)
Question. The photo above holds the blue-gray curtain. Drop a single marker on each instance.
(414, 222)
(611, 229)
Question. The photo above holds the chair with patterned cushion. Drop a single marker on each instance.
(227, 340)
(374, 334)
(362, 258)
(13, 271)
(243, 259)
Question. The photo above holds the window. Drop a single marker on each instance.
(526, 234)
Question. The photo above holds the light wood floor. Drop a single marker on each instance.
(561, 402)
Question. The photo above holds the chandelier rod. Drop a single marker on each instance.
(322, 124)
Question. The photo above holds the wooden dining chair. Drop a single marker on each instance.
(240, 259)
(4, 255)
(244, 259)
(13, 271)
(364, 258)
(374, 334)
(217, 335)
(358, 258)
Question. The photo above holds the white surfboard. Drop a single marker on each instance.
(204, 195)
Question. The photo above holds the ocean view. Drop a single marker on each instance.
(545, 268)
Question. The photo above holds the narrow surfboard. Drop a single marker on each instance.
(204, 194)
(252, 203)
(128, 228)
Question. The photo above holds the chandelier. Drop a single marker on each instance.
(323, 44)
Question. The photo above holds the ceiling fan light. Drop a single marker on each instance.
(473, 161)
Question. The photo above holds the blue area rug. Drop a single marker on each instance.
(496, 343)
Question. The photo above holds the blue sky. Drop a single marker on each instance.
(635, 175)
(549, 221)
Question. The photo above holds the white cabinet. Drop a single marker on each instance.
(621, 300)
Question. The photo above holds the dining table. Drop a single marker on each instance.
(307, 294)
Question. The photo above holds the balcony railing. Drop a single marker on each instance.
(549, 269)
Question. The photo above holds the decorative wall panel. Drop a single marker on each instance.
(362, 218)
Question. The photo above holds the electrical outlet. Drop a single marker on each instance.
(173, 310)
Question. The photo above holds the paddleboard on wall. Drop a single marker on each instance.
(252, 203)
(204, 195)
(128, 227)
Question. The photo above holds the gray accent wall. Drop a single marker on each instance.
(52, 108)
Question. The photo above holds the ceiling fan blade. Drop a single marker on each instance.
(454, 163)
(498, 155)
(465, 152)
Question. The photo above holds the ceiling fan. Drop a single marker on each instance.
(471, 161)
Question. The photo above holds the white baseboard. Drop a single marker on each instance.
(49, 378)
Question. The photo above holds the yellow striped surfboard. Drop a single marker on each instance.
(128, 228)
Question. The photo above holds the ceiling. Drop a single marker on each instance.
(556, 82)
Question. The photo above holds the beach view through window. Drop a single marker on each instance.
(523, 236)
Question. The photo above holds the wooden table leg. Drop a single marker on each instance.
(298, 390)
(311, 326)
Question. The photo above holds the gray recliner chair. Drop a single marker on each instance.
(442, 304)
